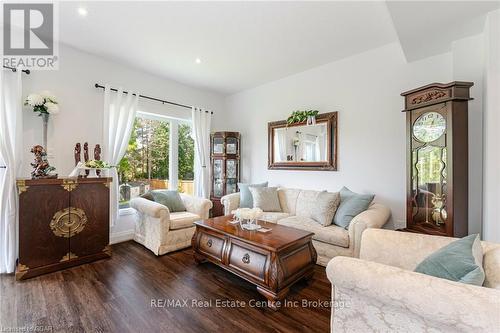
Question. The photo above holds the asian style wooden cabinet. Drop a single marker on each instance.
(62, 223)
(437, 159)
(225, 164)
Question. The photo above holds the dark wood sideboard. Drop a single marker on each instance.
(62, 223)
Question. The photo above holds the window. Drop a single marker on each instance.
(150, 159)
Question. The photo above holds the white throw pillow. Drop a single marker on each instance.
(319, 206)
(266, 198)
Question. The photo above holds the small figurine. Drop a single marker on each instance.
(42, 169)
(97, 156)
(86, 156)
(78, 150)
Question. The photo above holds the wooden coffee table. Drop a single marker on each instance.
(273, 261)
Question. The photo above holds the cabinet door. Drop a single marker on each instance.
(218, 178)
(43, 222)
(90, 213)
(232, 145)
(231, 176)
(218, 145)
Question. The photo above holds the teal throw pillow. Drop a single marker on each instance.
(148, 196)
(351, 204)
(459, 261)
(169, 198)
(246, 199)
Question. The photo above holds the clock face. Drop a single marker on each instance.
(429, 127)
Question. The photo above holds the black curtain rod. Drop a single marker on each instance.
(97, 85)
(27, 71)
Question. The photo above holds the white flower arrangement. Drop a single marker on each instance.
(43, 103)
(248, 213)
(95, 164)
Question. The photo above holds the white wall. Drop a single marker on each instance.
(365, 90)
(491, 187)
(81, 106)
(468, 64)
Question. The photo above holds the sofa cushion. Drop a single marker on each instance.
(272, 216)
(288, 199)
(148, 196)
(181, 220)
(246, 199)
(306, 203)
(266, 198)
(332, 234)
(351, 204)
(326, 206)
(317, 205)
(169, 198)
(459, 261)
(491, 264)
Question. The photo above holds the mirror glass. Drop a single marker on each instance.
(429, 184)
(305, 143)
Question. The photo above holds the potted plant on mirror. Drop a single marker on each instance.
(308, 116)
(45, 104)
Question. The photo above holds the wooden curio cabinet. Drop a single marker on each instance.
(225, 164)
(62, 223)
(437, 159)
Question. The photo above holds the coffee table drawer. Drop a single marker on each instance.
(211, 245)
(249, 261)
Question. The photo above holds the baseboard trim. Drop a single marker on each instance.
(122, 236)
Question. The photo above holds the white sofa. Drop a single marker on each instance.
(328, 241)
(162, 231)
(379, 292)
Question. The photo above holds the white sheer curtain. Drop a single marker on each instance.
(201, 133)
(11, 132)
(119, 114)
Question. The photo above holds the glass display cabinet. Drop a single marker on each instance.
(225, 163)
(437, 159)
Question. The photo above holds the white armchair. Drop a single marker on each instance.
(162, 231)
(380, 292)
(230, 202)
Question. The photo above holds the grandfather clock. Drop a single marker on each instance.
(437, 159)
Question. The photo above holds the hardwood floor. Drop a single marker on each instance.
(119, 295)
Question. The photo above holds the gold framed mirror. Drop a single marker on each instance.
(302, 146)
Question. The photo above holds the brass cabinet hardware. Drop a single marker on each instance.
(68, 256)
(69, 184)
(21, 271)
(21, 186)
(246, 258)
(68, 222)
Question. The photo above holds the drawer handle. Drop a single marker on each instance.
(246, 258)
(209, 243)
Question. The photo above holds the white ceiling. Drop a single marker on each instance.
(244, 44)
(428, 28)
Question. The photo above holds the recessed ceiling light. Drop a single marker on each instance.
(198, 61)
(82, 11)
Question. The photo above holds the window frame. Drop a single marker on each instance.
(171, 120)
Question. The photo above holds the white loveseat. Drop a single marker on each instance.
(328, 241)
(379, 292)
(162, 231)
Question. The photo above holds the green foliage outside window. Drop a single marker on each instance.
(147, 155)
